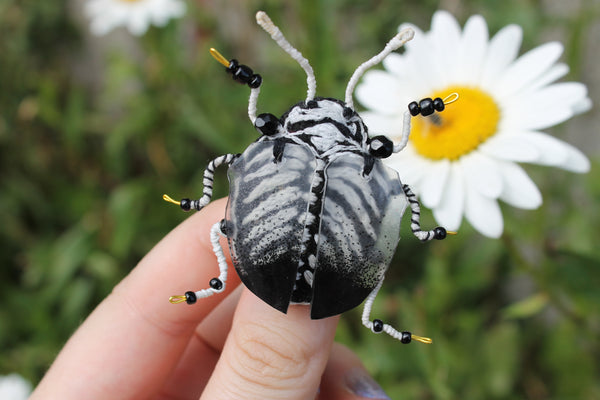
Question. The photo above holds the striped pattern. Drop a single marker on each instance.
(321, 124)
(415, 220)
(312, 216)
(266, 217)
(207, 182)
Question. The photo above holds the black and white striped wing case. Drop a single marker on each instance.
(360, 228)
(266, 215)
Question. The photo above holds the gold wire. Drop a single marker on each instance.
(421, 339)
(219, 57)
(177, 299)
(451, 233)
(451, 98)
(167, 198)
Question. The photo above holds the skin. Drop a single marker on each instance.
(136, 345)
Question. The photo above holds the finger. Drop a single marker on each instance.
(345, 378)
(127, 347)
(271, 355)
(196, 365)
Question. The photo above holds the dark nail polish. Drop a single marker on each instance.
(361, 384)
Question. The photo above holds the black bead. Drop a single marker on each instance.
(438, 104)
(255, 81)
(377, 326)
(426, 106)
(381, 147)
(190, 297)
(223, 227)
(414, 108)
(216, 284)
(406, 337)
(185, 204)
(233, 64)
(267, 124)
(439, 233)
(243, 74)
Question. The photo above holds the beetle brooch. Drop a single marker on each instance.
(313, 215)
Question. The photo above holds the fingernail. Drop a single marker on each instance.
(361, 384)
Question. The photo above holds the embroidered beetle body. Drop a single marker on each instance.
(313, 215)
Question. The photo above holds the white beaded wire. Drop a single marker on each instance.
(215, 233)
(252, 104)
(405, 132)
(265, 22)
(366, 315)
(395, 43)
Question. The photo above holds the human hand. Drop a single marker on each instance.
(136, 345)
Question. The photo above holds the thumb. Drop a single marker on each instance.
(271, 355)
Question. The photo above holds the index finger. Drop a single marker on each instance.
(129, 344)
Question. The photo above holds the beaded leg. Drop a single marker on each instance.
(216, 285)
(207, 182)
(438, 233)
(377, 326)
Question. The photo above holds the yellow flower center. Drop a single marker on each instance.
(460, 128)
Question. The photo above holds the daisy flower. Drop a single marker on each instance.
(14, 387)
(136, 15)
(465, 159)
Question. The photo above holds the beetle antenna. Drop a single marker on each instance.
(425, 107)
(265, 22)
(395, 43)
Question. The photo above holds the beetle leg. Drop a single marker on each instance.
(415, 220)
(209, 174)
(217, 285)
(377, 325)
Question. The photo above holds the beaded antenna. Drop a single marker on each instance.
(313, 215)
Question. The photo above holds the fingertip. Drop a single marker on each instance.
(272, 354)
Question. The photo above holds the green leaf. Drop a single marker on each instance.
(527, 307)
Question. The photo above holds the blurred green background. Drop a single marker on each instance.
(94, 130)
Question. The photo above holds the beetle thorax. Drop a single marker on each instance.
(327, 126)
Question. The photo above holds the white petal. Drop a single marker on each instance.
(582, 106)
(411, 167)
(527, 68)
(482, 174)
(443, 40)
(422, 72)
(576, 161)
(551, 150)
(472, 50)
(449, 212)
(483, 213)
(138, 23)
(543, 108)
(379, 124)
(509, 147)
(502, 50)
(395, 64)
(434, 182)
(380, 91)
(553, 74)
(519, 190)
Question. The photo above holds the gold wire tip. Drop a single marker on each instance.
(219, 57)
(179, 299)
(451, 233)
(451, 98)
(168, 199)
(421, 339)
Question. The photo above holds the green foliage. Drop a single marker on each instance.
(93, 131)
